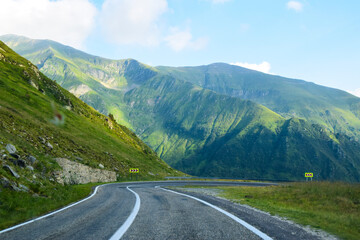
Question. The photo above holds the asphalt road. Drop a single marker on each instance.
(144, 211)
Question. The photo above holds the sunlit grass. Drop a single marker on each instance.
(333, 207)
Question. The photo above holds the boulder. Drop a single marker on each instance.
(21, 163)
(5, 182)
(24, 188)
(11, 148)
(8, 168)
(49, 146)
(43, 141)
(30, 168)
(101, 166)
(14, 155)
(31, 159)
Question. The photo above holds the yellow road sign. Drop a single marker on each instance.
(309, 174)
(134, 170)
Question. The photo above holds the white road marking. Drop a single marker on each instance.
(121, 231)
(52, 213)
(242, 222)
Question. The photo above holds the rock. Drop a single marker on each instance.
(75, 172)
(116, 169)
(14, 155)
(78, 158)
(11, 148)
(3, 156)
(21, 163)
(31, 159)
(5, 182)
(150, 173)
(43, 141)
(101, 166)
(51, 180)
(35, 195)
(15, 188)
(8, 168)
(30, 168)
(34, 176)
(24, 188)
(49, 145)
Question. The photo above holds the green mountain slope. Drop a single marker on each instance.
(195, 126)
(30, 105)
(337, 110)
(207, 134)
(99, 82)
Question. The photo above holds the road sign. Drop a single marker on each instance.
(134, 170)
(309, 174)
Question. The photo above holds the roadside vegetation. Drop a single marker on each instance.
(17, 207)
(331, 206)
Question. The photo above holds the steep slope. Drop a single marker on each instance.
(42, 119)
(99, 82)
(207, 133)
(333, 108)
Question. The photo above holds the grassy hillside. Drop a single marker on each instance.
(335, 109)
(99, 82)
(207, 134)
(43, 121)
(187, 116)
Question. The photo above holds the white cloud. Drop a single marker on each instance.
(65, 21)
(179, 40)
(355, 92)
(295, 5)
(262, 67)
(133, 21)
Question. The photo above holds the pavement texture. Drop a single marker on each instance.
(162, 215)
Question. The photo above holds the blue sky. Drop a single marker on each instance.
(318, 41)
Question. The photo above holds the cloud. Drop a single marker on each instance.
(295, 5)
(65, 21)
(182, 39)
(133, 21)
(262, 67)
(355, 92)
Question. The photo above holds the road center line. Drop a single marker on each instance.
(121, 231)
(52, 213)
(242, 222)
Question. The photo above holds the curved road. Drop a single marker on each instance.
(145, 210)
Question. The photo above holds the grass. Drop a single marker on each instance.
(25, 118)
(17, 207)
(330, 206)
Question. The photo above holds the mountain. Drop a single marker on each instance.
(203, 127)
(335, 109)
(43, 120)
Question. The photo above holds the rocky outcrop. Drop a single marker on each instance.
(77, 173)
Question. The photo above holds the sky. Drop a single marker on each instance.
(313, 40)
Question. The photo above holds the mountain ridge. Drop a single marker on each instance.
(195, 125)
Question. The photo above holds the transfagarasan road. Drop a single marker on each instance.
(147, 210)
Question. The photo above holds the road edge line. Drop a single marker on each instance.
(242, 222)
(52, 213)
(122, 230)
